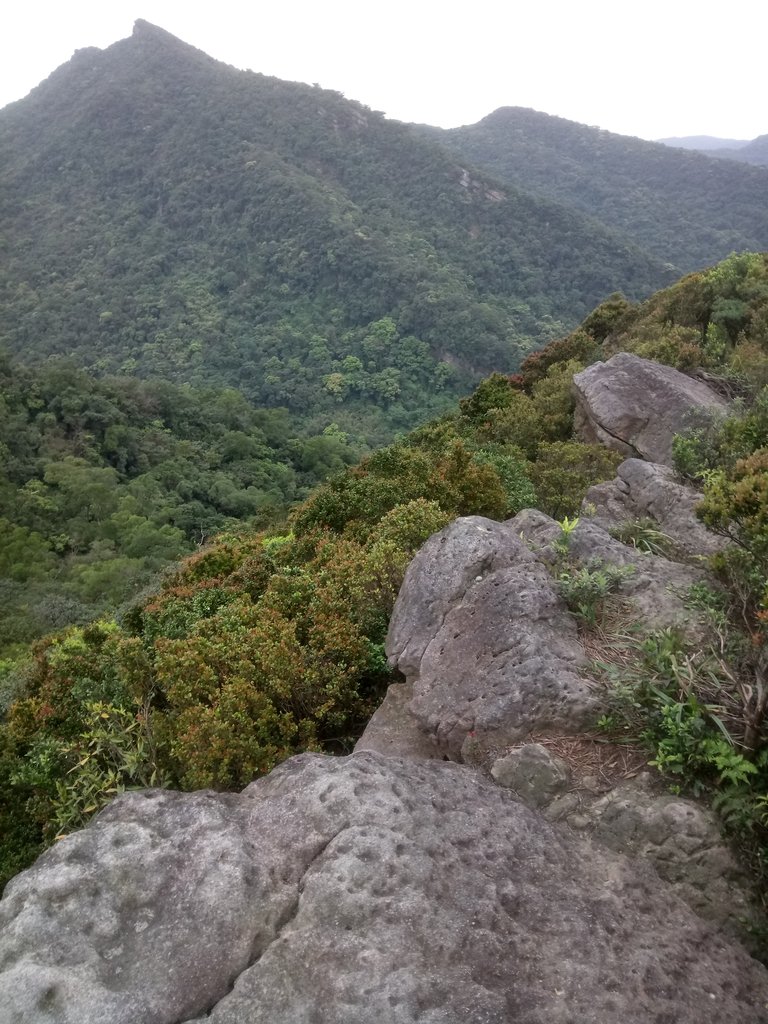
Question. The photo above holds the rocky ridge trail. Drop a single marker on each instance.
(455, 868)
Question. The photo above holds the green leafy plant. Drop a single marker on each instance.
(688, 704)
(686, 744)
(644, 535)
(567, 525)
(586, 589)
(115, 751)
(563, 542)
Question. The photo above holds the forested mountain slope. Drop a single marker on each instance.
(164, 214)
(685, 208)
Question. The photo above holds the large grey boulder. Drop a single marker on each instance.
(636, 406)
(646, 490)
(487, 645)
(481, 633)
(356, 889)
(446, 566)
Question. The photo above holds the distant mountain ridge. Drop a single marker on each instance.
(702, 143)
(746, 151)
(754, 152)
(683, 207)
(167, 215)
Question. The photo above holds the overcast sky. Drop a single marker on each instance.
(651, 69)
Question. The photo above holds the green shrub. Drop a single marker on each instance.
(495, 392)
(673, 345)
(565, 470)
(582, 346)
(513, 473)
(585, 589)
(116, 751)
(518, 423)
(407, 526)
(553, 400)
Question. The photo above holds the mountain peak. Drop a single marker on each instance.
(145, 33)
(145, 30)
(142, 27)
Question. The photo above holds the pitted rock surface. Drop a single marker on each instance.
(481, 632)
(656, 588)
(356, 889)
(140, 916)
(647, 490)
(637, 817)
(636, 406)
(680, 837)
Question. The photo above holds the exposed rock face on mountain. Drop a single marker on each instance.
(491, 656)
(636, 406)
(489, 645)
(645, 490)
(360, 888)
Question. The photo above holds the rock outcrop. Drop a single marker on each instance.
(481, 633)
(393, 730)
(533, 773)
(646, 490)
(341, 890)
(488, 648)
(493, 656)
(684, 843)
(637, 816)
(636, 406)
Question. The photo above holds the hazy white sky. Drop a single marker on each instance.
(652, 69)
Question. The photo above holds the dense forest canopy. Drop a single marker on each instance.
(103, 482)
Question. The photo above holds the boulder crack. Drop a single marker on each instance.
(601, 428)
(284, 920)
